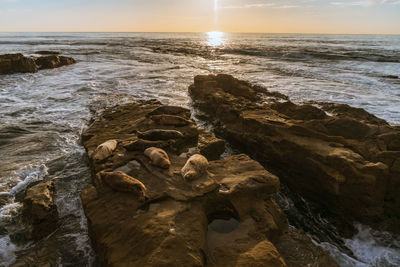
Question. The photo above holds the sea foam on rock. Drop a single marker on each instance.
(226, 217)
(348, 162)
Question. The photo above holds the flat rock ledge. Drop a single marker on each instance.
(341, 157)
(18, 63)
(226, 217)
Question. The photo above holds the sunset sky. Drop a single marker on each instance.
(267, 16)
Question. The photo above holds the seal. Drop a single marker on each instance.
(159, 134)
(141, 145)
(195, 167)
(158, 157)
(122, 182)
(105, 150)
(171, 110)
(171, 120)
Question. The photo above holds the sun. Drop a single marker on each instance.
(215, 38)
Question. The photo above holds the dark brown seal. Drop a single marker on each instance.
(160, 134)
(122, 182)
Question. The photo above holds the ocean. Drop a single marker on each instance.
(43, 114)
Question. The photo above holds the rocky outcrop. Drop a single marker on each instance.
(210, 146)
(225, 217)
(53, 61)
(40, 211)
(341, 157)
(17, 63)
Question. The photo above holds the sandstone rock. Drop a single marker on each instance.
(39, 209)
(210, 146)
(344, 161)
(298, 251)
(180, 223)
(15, 63)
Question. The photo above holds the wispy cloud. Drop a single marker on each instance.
(368, 3)
(262, 5)
(249, 6)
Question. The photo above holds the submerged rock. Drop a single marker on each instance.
(345, 161)
(45, 52)
(40, 210)
(16, 63)
(226, 217)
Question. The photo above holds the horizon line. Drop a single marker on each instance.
(305, 33)
(302, 33)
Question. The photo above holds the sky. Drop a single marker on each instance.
(263, 16)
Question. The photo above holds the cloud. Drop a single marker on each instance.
(368, 3)
(249, 6)
(263, 5)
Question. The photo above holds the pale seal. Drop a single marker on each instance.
(158, 157)
(195, 167)
(105, 150)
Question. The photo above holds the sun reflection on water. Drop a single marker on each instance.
(215, 39)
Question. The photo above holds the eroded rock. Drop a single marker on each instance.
(344, 160)
(210, 146)
(40, 210)
(180, 221)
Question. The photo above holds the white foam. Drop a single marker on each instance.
(29, 176)
(374, 247)
(370, 248)
(7, 249)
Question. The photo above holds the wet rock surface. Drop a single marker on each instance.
(340, 157)
(40, 210)
(18, 63)
(225, 217)
(53, 61)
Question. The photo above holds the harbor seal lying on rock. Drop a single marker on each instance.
(195, 167)
(105, 150)
(160, 134)
(158, 157)
(122, 182)
(171, 110)
(173, 120)
(141, 144)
